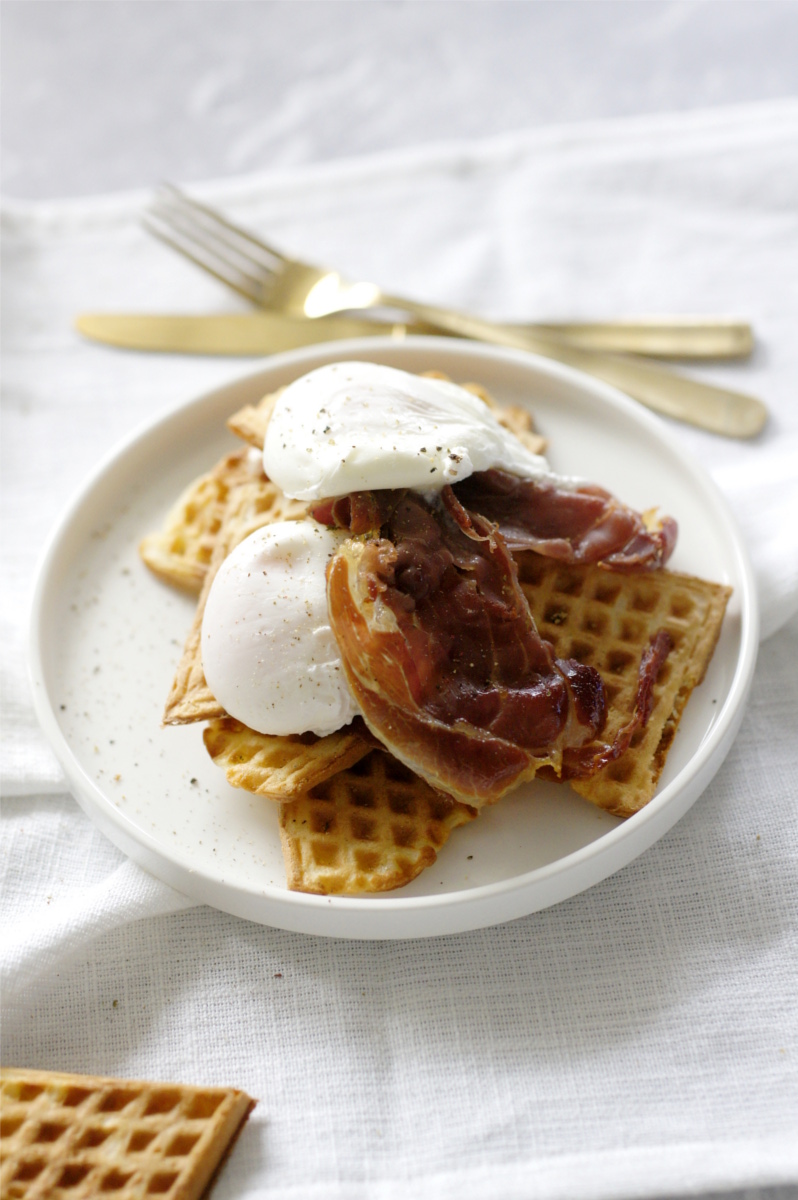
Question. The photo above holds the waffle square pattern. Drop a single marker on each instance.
(79, 1136)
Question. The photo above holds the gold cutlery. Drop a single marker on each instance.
(280, 284)
(267, 332)
(272, 281)
(228, 333)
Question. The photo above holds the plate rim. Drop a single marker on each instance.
(644, 828)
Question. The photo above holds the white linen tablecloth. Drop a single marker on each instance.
(637, 1040)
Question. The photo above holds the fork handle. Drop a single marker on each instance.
(733, 414)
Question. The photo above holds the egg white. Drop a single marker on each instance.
(268, 652)
(358, 426)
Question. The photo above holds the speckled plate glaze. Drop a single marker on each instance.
(106, 637)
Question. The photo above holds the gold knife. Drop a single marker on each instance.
(244, 334)
(263, 333)
(719, 410)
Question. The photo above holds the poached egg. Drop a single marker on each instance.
(357, 426)
(268, 652)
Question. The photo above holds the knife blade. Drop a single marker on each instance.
(245, 334)
(266, 333)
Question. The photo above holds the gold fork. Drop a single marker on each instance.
(273, 281)
(276, 282)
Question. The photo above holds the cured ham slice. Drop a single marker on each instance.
(578, 523)
(444, 658)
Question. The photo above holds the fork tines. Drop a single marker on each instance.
(230, 254)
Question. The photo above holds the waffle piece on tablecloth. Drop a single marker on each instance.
(75, 1137)
(606, 619)
(370, 828)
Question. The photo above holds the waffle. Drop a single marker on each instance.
(371, 827)
(606, 619)
(181, 550)
(250, 422)
(78, 1136)
(282, 767)
(251, 502)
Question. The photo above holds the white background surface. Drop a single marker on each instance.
(102, 96)
(98, 97)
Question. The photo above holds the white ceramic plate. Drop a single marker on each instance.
(106, 637)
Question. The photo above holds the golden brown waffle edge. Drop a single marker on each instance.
(282, 768)
(606, 619)
(180, 551)
(82, 1136)
(370, 828)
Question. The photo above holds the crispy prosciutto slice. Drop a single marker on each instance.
(444, 659)
(578, 523)
(575, 523)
